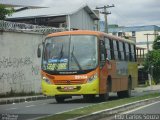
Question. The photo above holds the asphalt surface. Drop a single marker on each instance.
(153, 108)
(39, 108)
(34, 109)
(147, 112)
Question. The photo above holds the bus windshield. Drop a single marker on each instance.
(70, 53)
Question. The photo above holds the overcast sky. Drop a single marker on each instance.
(125, 12)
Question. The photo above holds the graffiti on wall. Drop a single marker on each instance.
(18, 72)
(6, 62)
(35, 70)
(12, 77)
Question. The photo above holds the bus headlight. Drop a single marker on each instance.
(92, 78)
(46, 80)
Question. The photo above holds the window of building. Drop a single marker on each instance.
(114, 33)
(119, 34)
(133, 33)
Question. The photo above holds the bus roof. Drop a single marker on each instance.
(89, 32)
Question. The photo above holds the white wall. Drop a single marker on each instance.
(19, 65)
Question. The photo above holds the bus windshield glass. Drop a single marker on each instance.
(70, 53)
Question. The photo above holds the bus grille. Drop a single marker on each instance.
(68, 82)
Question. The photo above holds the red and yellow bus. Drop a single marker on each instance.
(87, 63)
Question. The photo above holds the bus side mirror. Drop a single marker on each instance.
(39, 52)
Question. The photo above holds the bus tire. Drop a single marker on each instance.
(109, 84)
(89, 98)
(59, 99)
(104, 97)
(126, 93)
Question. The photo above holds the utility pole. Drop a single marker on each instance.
(105, 12)
(148, 34)
(150, 66)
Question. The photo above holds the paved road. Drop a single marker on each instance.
(147, 112)
(41, 107)
(33, 109)
(153, 108)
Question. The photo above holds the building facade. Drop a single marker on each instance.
(143, 35)
(139, 33)
(69, 17)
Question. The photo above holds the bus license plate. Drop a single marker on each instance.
(68, 88)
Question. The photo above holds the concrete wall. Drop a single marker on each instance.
(19, 65)
(82, 20)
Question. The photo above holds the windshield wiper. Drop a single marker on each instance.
(75, 59)
(59, 58)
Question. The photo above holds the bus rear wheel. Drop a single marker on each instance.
(126, 93)
(59, 99)
(104, 97)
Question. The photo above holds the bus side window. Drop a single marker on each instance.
(130, 53)
(133, 53)
(121, 50)
(127, 51)
(124, 49)
(115, 50)
(107, 46)
(118, 49)
(112, 50)
(102, 51)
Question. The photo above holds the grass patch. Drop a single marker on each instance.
(98, 107)
(142, 86)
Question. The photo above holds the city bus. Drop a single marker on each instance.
(87, 63)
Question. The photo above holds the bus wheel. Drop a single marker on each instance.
(59, 99)
(126, 93)
(121, 94)
(104, 97)
(88, 98)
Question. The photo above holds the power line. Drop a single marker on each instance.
(105, 12)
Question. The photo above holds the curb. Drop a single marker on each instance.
(109, 113)
(23, 99)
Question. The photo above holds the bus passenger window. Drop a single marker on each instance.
(107, 46)
(132, 52)
(124, 49)
(127, 51)
(102, 51)
(119, 54)
(121, 50)
(111, 49)
(115, 50)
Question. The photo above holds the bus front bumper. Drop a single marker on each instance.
(88, 88)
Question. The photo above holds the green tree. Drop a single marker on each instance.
(5, 11)
(152, 61)
(156, 43)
